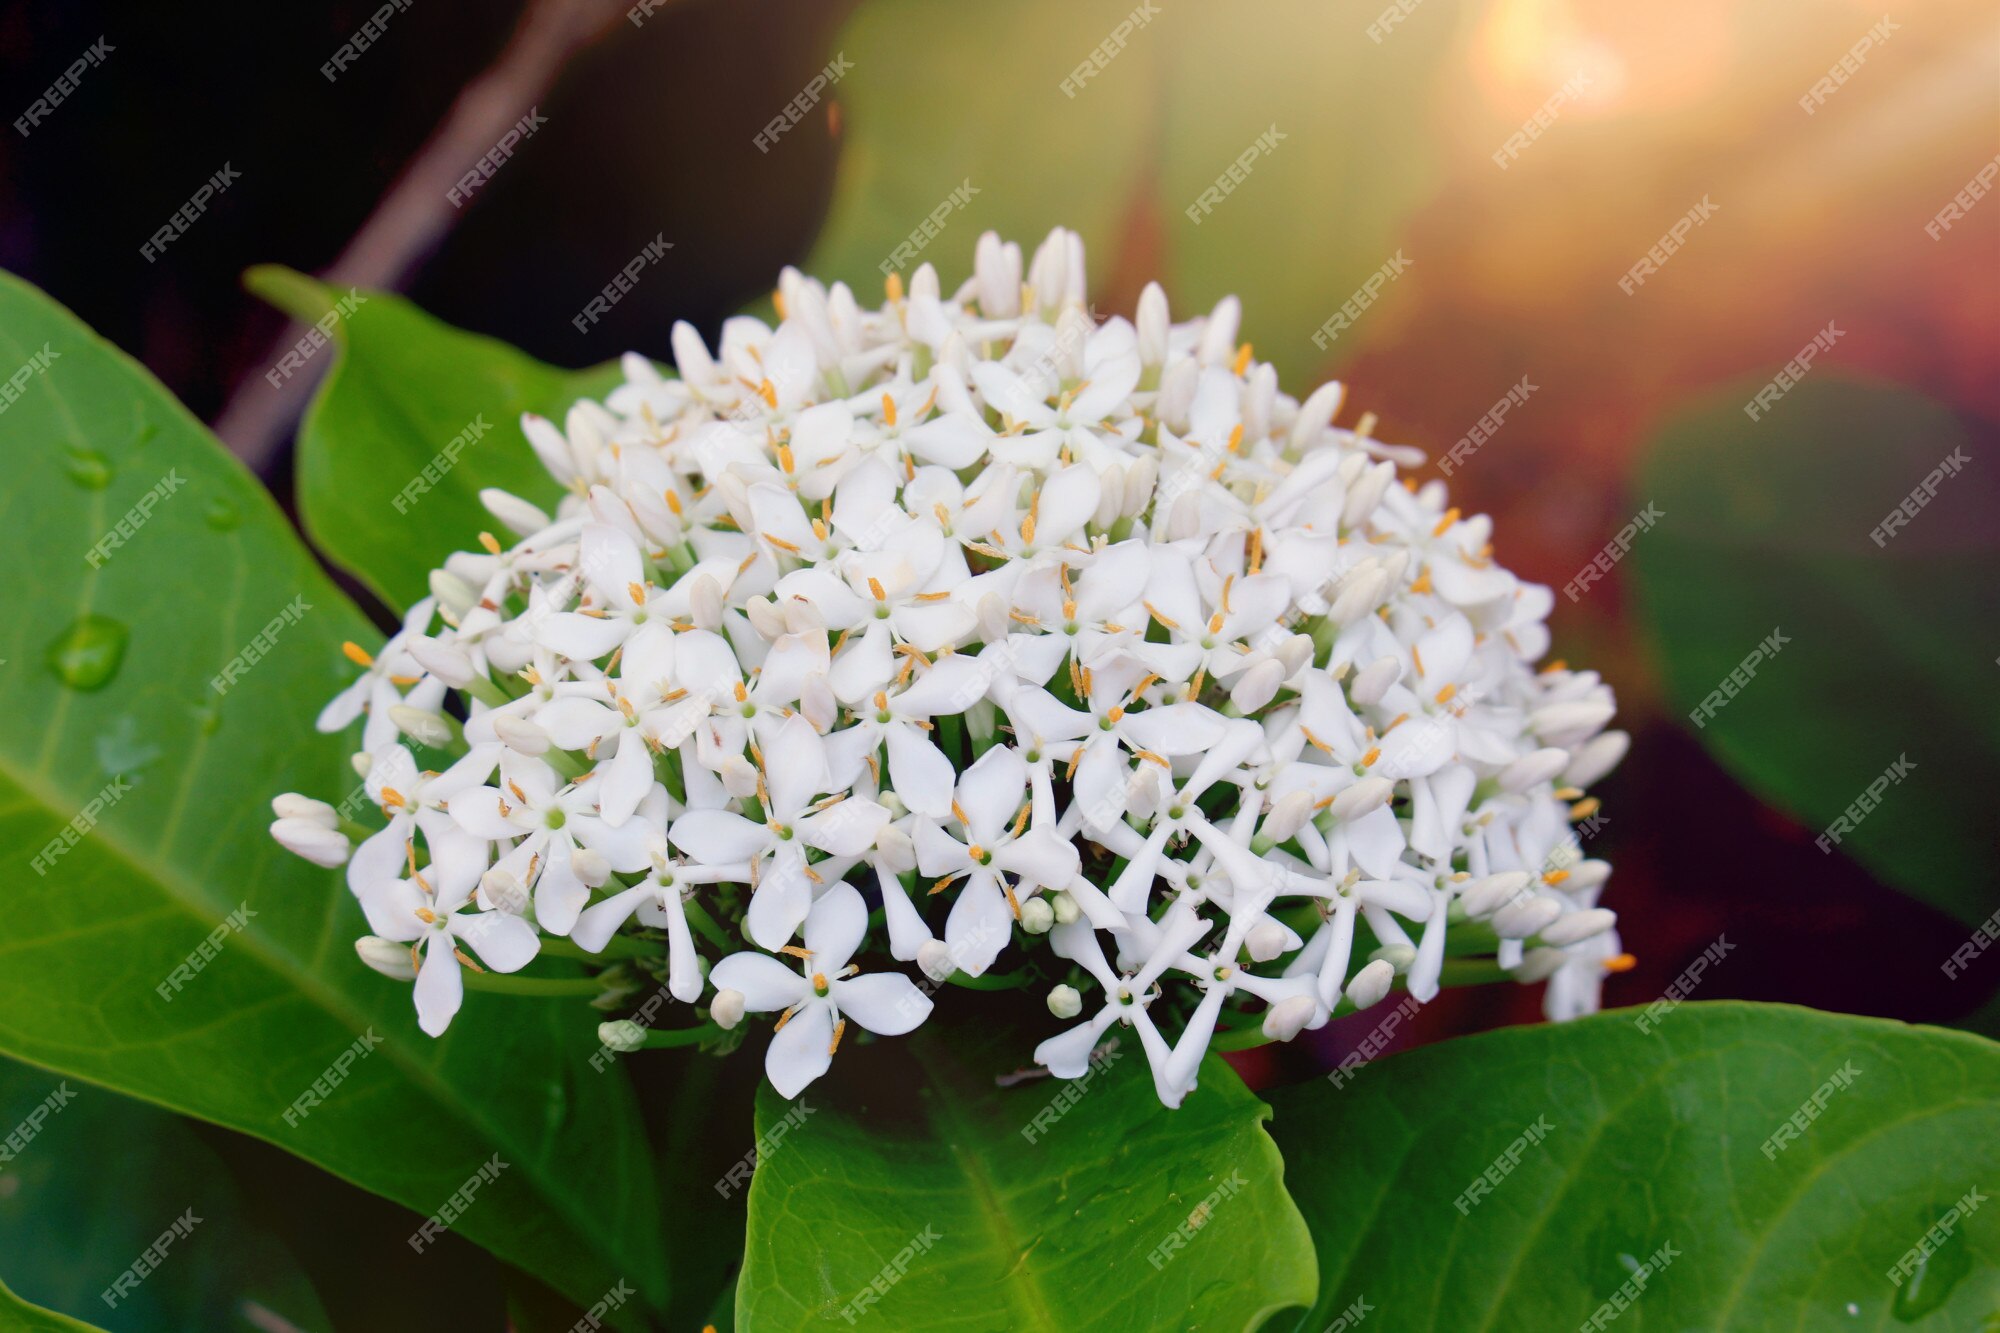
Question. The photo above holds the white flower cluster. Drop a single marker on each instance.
(1018, 623)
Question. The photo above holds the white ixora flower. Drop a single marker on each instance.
(1089, 658)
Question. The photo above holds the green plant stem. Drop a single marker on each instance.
(699, 918)
(620, 946)
(506, 983)
(662, 1038)
(992, 981)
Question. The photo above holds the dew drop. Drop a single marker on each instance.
(86, 655)
(221, 515)
(87, 468)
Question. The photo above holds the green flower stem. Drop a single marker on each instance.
(662, 1038)
(506, 983)
(992, 981)
(488, 692)
(699, 918)
(1472, 972)
(620, 946)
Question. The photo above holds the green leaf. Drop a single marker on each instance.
(1652, 1139)
(1766, 526)
(97, 1179)
(22, 1317)
(913, 1150)
(403, 388)
(1128, 151)
(164, 783)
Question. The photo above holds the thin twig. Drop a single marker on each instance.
(414, 213)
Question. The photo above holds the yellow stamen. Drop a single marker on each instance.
(357, 654)
(892, 286)
(888, 409)
(1555, 877)
(1444, 524)
(1444, 696)
(1623, 962)
(1374, 753)
(1585, 809)
(490, 542)
(839, 1029)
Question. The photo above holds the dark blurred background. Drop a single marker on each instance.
(649, 131)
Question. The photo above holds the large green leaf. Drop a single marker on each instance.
(1650, 1140)
(1766, 526)
(118, 722)
(1163, 113)
(911, 1156)
(21, 1317)
(405, 387)
(101, 1178)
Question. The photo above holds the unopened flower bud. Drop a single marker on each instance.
(1596, 757)
(1288, 1017)
(449, 664)
(1524, 917)
(1065, 1002)
(935, 959)
(726, 1009)
(1539, 965)
(421, 726)
(1373, 681)
(1288, 816)
(765, 617)
(1397, 956)
(523, 518)
(621, 1034)
(1066, 909)
(1579, 926)
(455, 596)
(291, 805)
(1370, 984)
(1570, 724)
(1266, 940)
(893, 848)
(313, 840)
(1257, 686)
(1483, 897)
(1365, 797)
(590, 866)
(389, 958)
(1531, 770)
(519, 734)
(1037, 916)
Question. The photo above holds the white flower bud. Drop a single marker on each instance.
(503, 893)
(1596, 757)
(621, 1034)
(1539, 965)
(1289, 1016)
(1315, 414)
(893, 847)
(1525, 916)
(765, 617)
(520, 734)
(1066, 909)
(590, 866)
(997, 271)
(1065, 1002)
(1370, 984)
(726, 1009)
(1154, 324)
(704, 603)
(1579, 926)
(1531, 770)
(524, 519)
(1257, 686)
(1570, 724)
(1366, 494)
(422, 726)
(1296, 653)
(1218, 333)
(1373, 681)
(1365, 797)
(447, 662)
(802, 617)
(1037, 916)
(1587, 874)
(935, 959)
(1397, 956)
(361, 762)
(313, 840)
(1483, 897)
(1288, 816)
(1266, 940)
(1360, 592)
(389, 958)
(455, 596)
(291, 805)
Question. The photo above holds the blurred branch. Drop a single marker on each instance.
(414, 214)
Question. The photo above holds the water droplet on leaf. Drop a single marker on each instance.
(86, 655)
